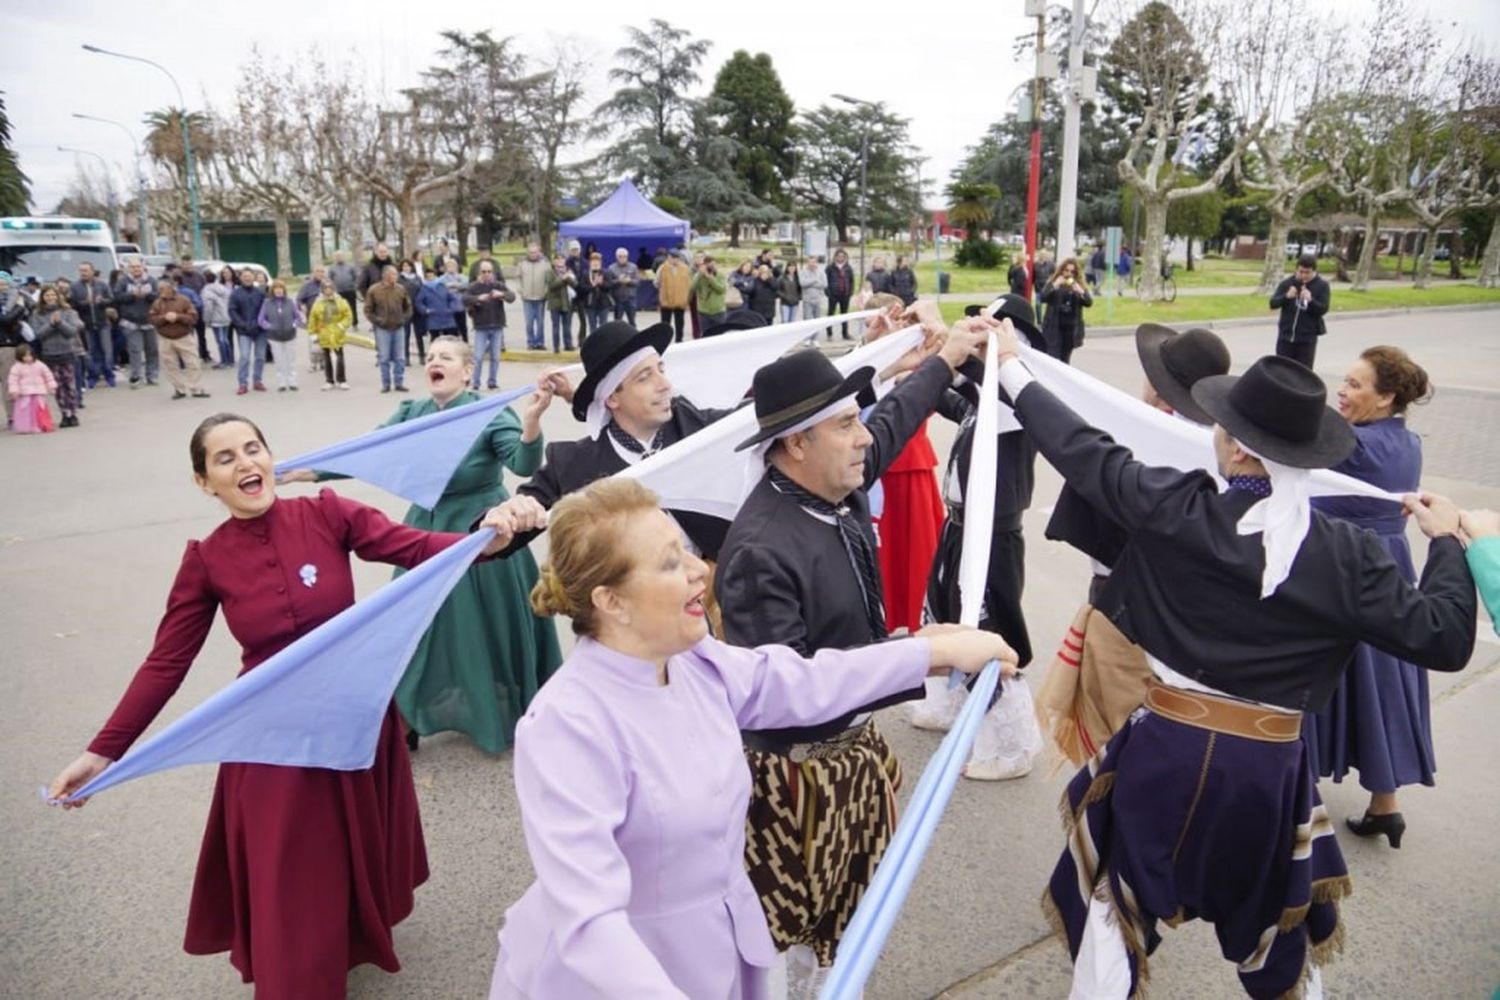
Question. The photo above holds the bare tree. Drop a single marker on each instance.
(1290, 76)
(262, 150)
(1457, 179)
(553, 115)
(405, 166)
(1158, 74)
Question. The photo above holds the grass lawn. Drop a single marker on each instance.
(1128, 311)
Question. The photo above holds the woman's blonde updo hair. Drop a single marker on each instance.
(463, 347)
(586, 535)
(1397, 374)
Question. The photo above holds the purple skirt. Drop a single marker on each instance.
(1379, 721)
(1174, 823)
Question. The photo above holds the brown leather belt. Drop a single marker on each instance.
(1223, 715)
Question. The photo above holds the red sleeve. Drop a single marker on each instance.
(191, 606)
(374, 537)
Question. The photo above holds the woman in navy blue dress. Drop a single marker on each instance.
(1379, 721)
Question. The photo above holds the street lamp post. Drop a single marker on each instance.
(864, 176)
(141, 230)
(187, 142)
(109, 185)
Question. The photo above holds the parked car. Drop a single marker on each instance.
(123, 250)
(1442, 253)
(156, 263)
(218, 265)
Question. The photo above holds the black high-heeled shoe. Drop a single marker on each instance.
(1390, 824)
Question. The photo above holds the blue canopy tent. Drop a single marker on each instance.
(626, 219)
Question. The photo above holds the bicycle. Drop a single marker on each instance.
(1168, 284)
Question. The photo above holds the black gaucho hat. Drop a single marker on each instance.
(1021, 316)
(1278, 409)
(606, 347)
(1174, 362)
(793, 388)
(735, 320)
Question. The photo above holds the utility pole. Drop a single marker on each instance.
(1081, 82)
(1038, 10)
(187, 142)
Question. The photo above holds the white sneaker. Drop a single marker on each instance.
(325, 386)
(1000, 749)
(804, 977)
(343, 385)
(938, 709)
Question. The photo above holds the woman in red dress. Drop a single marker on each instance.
(912, 512)
(303, 871)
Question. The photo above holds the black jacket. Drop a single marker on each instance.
(762, 298)
(1186, 586)
(1062, 327)
(135, 308)
(903, 284)
(371, 272)
(491, 313)
(1298, 323)
(572, 465)
(840, 282)
(11, 320)
(1015, 461)
(785, 577)
(92, 314)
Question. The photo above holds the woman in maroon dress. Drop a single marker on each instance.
(303, 871)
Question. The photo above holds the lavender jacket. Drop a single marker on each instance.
(633, 798)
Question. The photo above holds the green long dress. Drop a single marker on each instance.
(486, 653)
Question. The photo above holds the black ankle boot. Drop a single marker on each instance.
(1390, 824)
(412, 737)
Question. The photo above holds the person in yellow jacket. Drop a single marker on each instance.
(329, 320)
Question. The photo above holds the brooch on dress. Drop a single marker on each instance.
(309, 574)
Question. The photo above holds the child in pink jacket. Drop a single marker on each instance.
(29, 385)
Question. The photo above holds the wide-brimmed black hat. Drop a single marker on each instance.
(793, 388)
(1021, 315)
(606, 347)
(1278, 409)
(735, 320)
(1174, 362)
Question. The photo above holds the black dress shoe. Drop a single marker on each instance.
(1390, 824)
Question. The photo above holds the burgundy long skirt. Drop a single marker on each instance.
(304, 871)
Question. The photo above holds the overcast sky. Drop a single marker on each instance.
(945, 65)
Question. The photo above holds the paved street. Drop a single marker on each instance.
(93, 903)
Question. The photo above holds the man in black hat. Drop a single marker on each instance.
(626, 401)
(1303, 299)
(1249, 607)
(1099, 677)
(997, 753)
(798, 567)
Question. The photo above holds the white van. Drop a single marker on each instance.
(52, 247)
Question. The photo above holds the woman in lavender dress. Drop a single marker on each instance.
(629, 768)
(1379, 721)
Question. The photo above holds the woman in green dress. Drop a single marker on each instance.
(486, 653)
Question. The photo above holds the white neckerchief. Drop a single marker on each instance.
(598, 413)
(1282, 519)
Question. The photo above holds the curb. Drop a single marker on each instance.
(1270, 318)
